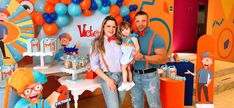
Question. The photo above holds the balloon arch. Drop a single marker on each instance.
(54, 14)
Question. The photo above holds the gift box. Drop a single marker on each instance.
(6, 71)
(90, 74)
(48, 45)
(33, 45)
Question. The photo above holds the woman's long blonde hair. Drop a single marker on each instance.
(98, 43)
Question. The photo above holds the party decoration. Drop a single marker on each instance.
(132, 15)
(50, 29)
(49, 20)
(119, 19)
(66, 1)
(114, 10)
(105, 10)
(87, 12)
(76, 1)
(99, 3)
(39, 5)
(53, 16)
(45, 15)
(133, 7)
(4, 3)
(38, 19)
(54, 12)
(62, 21)
(52, 1)
(124, 10)
(61, 9)
(74, 9)
(85, 4)
(93, 6)
(49, 8)
(113, 2)
(20, 26)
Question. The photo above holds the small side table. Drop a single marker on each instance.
(171, 93)
(79, 86)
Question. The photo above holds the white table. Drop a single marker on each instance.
(42, 55)
(59, 67)
(79, 86)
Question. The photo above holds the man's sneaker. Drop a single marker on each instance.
(123, 86)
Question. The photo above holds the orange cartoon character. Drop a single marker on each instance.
(27, 84)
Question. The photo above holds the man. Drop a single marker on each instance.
(3, 30)
(147, 62)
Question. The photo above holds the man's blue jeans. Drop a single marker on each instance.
(148, 84)
(113, 99)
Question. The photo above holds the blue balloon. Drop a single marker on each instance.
(76, 1)
(45, 16)
(135, 7)
(127, 18)
(119, 4)
(120, 1)
(39, 5)
(124, 10)
(62, 21)
(60, 9)
(104, 0)
(49, 20)
(105, 10)
(99, 3)
(113, 1)
(104, 4)
(108, 3)
(131, 8)
(53, 16)
(4, 3)
(74, 9)
(93, 5)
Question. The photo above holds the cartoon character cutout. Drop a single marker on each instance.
(204, 76)
(65, 39)
(4, 14)
(27, 84)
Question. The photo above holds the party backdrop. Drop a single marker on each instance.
(58, 17)
(220, 25)
(20, 27)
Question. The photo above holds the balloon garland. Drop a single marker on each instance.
(54, 14)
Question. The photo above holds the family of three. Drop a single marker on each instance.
(116, 48)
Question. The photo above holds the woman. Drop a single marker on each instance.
(105, 61)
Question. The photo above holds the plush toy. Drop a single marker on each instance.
(28, 85)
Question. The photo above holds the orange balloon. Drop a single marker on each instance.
(87, 12)
(50, 29)
(132, 15)
(66, 1)
(49, 8)
(53, 1)
(134, 27)
(114, 10)
(119, 19)
(38, 19)
(85, 4)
